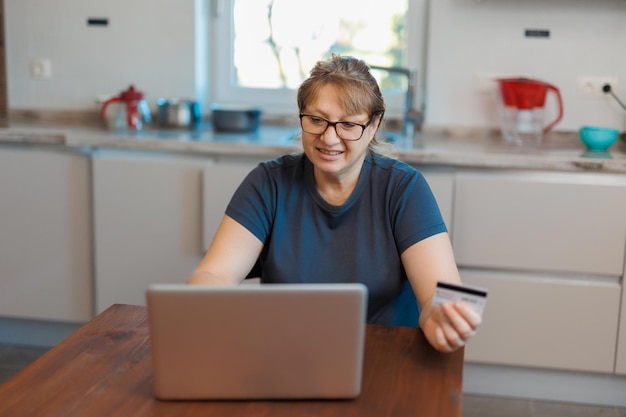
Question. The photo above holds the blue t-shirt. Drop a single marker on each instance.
(308, 240)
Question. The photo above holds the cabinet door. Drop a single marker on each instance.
(220, 181)
(620, 362)
(543, 322)
(45, 235)
(541, 221)
(442, 184)
(147, 223)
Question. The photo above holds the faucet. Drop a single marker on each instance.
(412, 117)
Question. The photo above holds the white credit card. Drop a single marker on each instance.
(474, 297)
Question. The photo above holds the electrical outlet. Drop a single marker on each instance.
(41, 69)
(591, 86)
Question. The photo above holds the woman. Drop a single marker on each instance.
(341, 212)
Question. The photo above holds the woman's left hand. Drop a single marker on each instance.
(450, 325)
(447, 326)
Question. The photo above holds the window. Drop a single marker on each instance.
(263, 49)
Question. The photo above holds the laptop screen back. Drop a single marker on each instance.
(275, 341)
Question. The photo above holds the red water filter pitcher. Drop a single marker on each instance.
(523, 109)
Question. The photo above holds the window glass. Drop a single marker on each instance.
(264, 49)
(276, 42)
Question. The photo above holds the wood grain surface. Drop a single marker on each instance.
(105, 369)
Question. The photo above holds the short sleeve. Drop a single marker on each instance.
(415, 212)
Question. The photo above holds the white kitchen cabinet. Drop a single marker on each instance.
(570, 223)
(545, 322)
(45, 234)
(441, 182)
(220, 181)
(620, 358)
(550, 249)
(147, 222)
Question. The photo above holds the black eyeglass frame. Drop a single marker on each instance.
(334, 125)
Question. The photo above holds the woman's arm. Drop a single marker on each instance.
(449, 326)
(230, 257)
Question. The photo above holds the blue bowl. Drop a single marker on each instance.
(598, 139)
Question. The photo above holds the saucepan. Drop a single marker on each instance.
(235, 118)
(178, 113)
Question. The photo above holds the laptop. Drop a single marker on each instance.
(268, 341)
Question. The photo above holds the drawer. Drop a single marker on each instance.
(574, 223)
(546, 322)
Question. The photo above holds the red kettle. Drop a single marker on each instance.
(133, 107)
(523, 101)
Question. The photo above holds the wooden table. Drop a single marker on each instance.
(105, 369)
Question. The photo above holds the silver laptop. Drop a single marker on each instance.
(273, 341)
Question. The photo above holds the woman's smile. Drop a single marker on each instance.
(329, 154)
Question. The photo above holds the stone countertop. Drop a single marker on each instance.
(470, 148)
(268, 141)
(557, 153)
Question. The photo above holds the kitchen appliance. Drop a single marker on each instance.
(234, 119)
(127, 110)
(178, 113)
(523, 110)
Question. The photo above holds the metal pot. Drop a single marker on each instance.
(178, 112)
(235, 119)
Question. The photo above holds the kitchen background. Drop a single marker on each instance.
(162, 47)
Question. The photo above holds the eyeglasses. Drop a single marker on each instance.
(316, 125)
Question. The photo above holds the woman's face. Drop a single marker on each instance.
(331, 155)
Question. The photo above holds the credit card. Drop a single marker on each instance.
(474, 297)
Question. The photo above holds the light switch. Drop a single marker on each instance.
(41, 69)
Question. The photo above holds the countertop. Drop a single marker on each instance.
(445, 147)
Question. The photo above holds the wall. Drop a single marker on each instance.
(151, 43)
(469, 38)
(148, 42)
